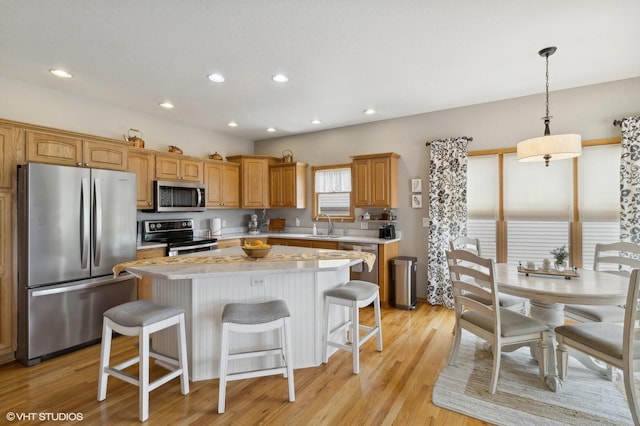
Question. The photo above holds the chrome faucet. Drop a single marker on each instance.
(329, 223)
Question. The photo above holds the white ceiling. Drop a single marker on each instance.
(401, 57)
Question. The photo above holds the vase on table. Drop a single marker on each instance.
(561, 266)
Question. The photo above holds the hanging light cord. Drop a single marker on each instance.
(547, 117)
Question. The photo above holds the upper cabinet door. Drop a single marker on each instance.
(54, 149)
(142, 163)
(288, 185)
(8, 161)
(103, 155)
(375, 180)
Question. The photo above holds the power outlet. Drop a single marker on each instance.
(257, 281)
(425, 222)
(364, 225)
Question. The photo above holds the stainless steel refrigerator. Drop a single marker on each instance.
(74, 225)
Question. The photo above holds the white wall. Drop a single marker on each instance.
(32, 104)
(589, 111)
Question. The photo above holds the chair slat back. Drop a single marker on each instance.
(473, 275)
(617, 258)
(631, 327)
(466, 243)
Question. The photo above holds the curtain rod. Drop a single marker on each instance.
(617, 123)
(470, 139)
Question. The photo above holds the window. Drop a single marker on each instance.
(332, 191)
(535, 206)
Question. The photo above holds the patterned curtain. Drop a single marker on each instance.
(630, 181)
(447, 212)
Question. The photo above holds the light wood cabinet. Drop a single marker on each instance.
(176, 167)
(229, 243)
(142, 163)
(11, 145)
(8, 296)
(8, 160)
(67, 150)
(104, 155)
(386, 252)
(288, 185)
(375, 180)
(222, 180)
(144, 283)
(297, 242)
(254, 179)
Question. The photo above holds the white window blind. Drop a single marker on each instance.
(333, 180)
(533, 191)
(600, 183)
(485, 231)
(597, 232)
(333, 189)
(534, 240)
(482, 187)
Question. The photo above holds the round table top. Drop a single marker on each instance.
(590, 288)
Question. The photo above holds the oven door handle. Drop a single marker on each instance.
(206, 245)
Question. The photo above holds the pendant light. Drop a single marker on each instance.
(549, 147)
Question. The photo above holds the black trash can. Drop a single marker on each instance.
(403, 282)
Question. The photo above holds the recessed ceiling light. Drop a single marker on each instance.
(60, 73)
(316, 121)
(216, 78)
(232, 124)
(369, 111)
(280, 78)
(271, 130)
(166, 105)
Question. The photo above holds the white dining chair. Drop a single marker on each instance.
(472, 275)
(617, 258)
(472, 245)
(615, 345)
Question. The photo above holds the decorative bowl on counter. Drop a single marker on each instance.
(257, 252)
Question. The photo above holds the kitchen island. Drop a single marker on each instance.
(202, 290)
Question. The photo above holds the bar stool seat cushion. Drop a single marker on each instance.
(255, 313)
(140, 313)
(353, 290)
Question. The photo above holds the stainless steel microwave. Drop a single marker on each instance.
(171, 196)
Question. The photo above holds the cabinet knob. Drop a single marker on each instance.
(79, 164)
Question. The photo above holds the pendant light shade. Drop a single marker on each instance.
(549, 147)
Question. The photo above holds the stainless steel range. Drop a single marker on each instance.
(178, 234)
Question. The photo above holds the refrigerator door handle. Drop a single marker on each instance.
(84, 220)
(46, 291)
(97, 221)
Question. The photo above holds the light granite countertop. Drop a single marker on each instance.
(263, 266)
(343, 239)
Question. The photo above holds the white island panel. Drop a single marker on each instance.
(204, 296)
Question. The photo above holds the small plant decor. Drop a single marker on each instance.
(560, 256)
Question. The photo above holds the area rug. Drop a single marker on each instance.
(521, 399)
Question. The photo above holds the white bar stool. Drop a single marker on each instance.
(141, 318)
(255, 318)
(354, 295)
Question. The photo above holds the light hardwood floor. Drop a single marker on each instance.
(393, 387)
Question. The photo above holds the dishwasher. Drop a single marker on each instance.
(361, 271)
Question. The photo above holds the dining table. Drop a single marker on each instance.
(549, 293)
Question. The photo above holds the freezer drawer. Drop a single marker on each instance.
(59, 317)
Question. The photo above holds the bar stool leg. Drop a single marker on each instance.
(289, 360)
(144, 373)
(183, 361)
(355, 336)
(224, 351)
(104, 361)
(376, 311)
(325, 334)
